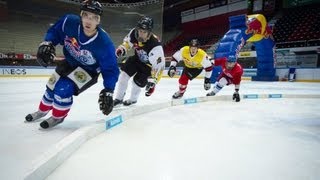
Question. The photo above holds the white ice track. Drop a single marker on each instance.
(277, 138)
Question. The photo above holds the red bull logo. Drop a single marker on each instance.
(73, 42)
(254, 26)
(257, 26)
(268, 32)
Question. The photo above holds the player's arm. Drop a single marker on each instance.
(109, 66)
(236, 81)
(56, 33)
(110, 73)
(46, 51)
(177, 56)
(126, 45)
(207, 66)
(157, 62)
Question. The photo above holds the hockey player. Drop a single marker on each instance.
(145, 66)
(195, 60)
(88, 51)
(231, 74)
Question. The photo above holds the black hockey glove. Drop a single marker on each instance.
(236, 96)
(46, 53)
(151, 85)
(207, 84)
(172, 71)
(105, 101)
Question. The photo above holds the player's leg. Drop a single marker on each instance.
(128, 69)
(222, 81)
(44, 107)
(187, 74)
(183, 82)
(140, 80)
(62, 102)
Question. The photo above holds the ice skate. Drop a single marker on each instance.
(50, 122)
(211, 93)
(129, 102)
(117, 102)
(177, 95)
(35, 116)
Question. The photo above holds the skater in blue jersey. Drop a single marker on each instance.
(88, 52)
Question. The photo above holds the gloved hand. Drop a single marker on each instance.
(207, 84)
(105, 101)
(172, 71)
(236, 96)
(121, 51)
(151, 85)
(46, 53)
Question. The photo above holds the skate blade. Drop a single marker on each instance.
(30, 122)
(48, 129)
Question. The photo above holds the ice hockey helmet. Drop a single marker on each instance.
(145, 23)
(232, 58)
(92, 6)
(194, 43)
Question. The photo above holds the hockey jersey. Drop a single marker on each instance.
(149, 52)
(199, 60)
(233, 74)
(93, 54)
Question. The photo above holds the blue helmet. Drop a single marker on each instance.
(92, 6)
(232, 58)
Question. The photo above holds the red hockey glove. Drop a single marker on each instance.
(151, 85)
(121, 51)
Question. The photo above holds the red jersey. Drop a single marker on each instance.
(233, 75)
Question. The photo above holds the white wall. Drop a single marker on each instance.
(305, 74)
(23, 71)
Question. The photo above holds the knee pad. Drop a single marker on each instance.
(183, 80)
(223, 81)
(64, 88)
(140, 80)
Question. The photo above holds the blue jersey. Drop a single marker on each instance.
(94, 54)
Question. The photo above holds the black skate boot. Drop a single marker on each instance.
(129, 102)
(50, 122)
(35, 116)
(177, 95)
(211, 93)
(117, 102)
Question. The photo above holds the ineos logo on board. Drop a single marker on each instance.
(14, 71)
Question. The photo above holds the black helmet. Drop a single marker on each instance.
(194, 43)
(92, 6)
(145, 23)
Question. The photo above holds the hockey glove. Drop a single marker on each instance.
(236, 96)
(151, 85)
(120, 51)
(105, 101)
(207, 84)
(46, 53)
(172, 71)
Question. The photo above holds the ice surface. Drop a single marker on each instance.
(225, 140)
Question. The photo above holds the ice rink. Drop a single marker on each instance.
(269, 138)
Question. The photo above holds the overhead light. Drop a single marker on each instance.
(133, 13)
